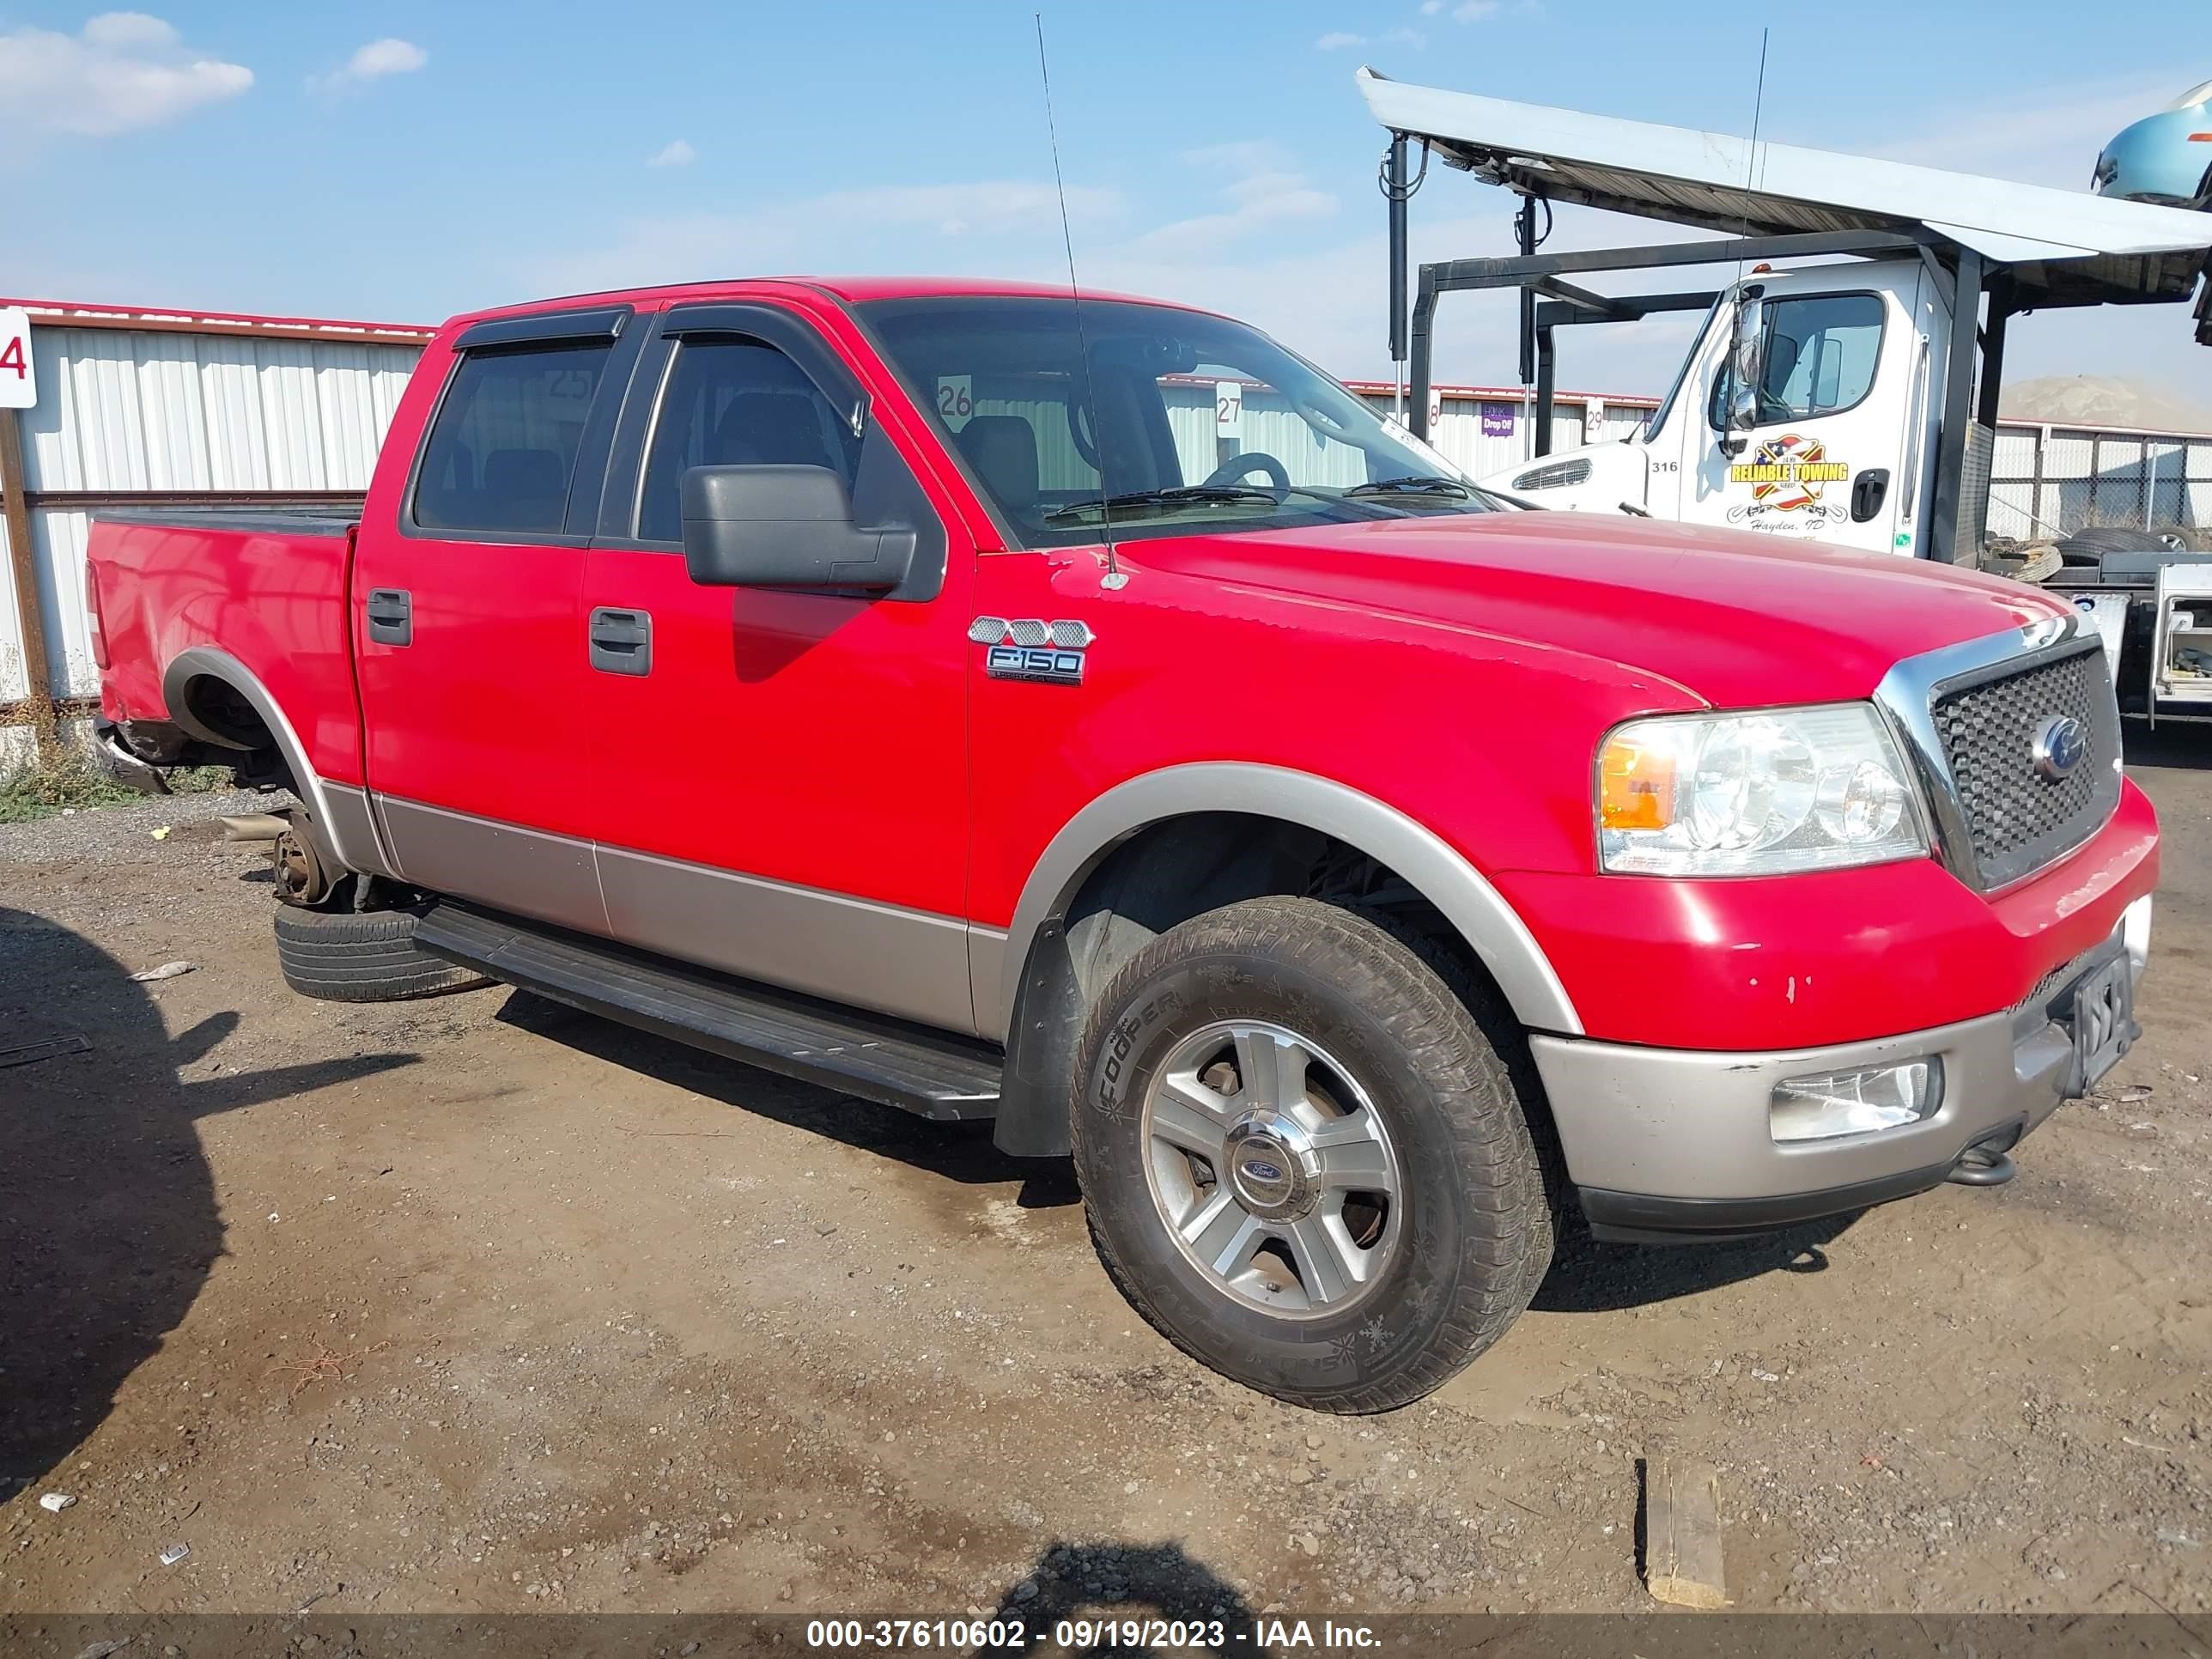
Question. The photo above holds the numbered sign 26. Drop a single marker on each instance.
(956, 400)
(19, 386)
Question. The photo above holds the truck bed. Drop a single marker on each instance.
(265, 587)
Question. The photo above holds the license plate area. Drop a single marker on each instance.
(2103, 1021)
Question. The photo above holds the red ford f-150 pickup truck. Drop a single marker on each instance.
(1085, 713)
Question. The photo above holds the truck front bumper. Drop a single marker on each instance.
(1668, 1144)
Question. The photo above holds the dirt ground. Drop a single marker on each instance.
(479, 1305)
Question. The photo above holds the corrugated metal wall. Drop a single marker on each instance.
(2053, 481)
(1487, 433)
(127, 409)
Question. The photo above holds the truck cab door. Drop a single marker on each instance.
(1806, 437)
(467, 631)
(779, 776)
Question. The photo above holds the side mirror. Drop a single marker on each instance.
(1747, 362)
(785, 527)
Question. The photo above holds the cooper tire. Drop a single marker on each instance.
(1474, 1225)
(345, 956)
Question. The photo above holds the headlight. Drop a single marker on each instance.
(1755, 795)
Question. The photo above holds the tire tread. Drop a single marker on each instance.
(344, 956)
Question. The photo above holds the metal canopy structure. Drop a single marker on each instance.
(2021, 247)
(2060, 246)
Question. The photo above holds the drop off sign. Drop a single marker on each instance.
(19, 387)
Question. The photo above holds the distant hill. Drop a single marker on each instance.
(2103, 400)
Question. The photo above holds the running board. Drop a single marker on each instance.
(870, 1055)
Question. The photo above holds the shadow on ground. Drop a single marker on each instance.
(1107, 1584)
(961, 1152)
(1585, 1278)
(108, 1218)
(1588, 1277)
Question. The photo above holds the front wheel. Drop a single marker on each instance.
(1304, 1161)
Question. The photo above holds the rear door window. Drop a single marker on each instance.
(500, 456)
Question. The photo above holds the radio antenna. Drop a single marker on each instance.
(1114, 576)
(1751, 171)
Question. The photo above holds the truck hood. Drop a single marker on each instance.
(1734, 618)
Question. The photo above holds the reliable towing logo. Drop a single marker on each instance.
(1788, 474)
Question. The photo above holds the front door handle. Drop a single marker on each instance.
(621, 642)
(390, 616)
(1868, 491)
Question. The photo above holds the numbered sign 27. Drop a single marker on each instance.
(1229, 408)
(19, 386)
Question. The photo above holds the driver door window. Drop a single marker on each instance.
(1821, 356)
(732, 403)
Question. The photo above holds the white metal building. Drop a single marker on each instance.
(142, 408)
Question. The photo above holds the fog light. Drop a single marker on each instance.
(1856, 1102)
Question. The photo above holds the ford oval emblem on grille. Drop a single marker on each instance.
(2060, 743)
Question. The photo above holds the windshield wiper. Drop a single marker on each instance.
(1204, 494)
(1430, 484)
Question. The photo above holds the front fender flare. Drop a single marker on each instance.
(1018, 969)
(1459, 890)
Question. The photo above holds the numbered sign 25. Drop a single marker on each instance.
(956, 400)
(19, 386)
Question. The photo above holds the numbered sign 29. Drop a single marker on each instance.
(956, 400)
(19, 386)
(1229, 408)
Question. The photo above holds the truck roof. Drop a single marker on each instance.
(2067, 247)
(853, 290)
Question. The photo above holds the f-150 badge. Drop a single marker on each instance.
(1043, 652)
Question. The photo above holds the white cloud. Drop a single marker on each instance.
(1471, 11)
(2059, 147)
(677, 154)
(124, 70)
(1338, 39)
(373, 61)
(1274, 247)
(1262, 188)
(986, 228)
(1431, 8)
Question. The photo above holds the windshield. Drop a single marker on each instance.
(1187, 421)
(1657, 419)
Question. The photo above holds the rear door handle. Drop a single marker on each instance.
(621, 642)
(390, 616)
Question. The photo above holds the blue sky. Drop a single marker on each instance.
(403, 162)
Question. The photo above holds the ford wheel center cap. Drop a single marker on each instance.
(1272, 1166)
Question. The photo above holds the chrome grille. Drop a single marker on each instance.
(2014, 820)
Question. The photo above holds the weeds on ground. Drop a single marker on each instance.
(71, 781)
